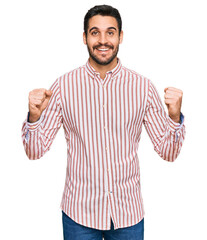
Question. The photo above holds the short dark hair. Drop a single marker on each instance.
(103, 10)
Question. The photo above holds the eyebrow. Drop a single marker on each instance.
(109, 28)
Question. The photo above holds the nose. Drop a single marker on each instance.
(103, 38)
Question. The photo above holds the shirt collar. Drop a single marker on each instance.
(92, 72)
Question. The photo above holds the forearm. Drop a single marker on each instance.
(166, 135)
(38, 136)
(168, 145)
(32, 140)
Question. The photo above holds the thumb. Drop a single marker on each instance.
(48, 93)
(165, 89)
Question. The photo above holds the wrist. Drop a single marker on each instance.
(175, 118)
(32, 118)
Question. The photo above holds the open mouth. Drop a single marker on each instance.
(103, 49)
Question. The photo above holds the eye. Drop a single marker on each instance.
(110, 33)
(94, 33)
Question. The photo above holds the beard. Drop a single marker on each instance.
(98, 60)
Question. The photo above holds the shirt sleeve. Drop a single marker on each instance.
(166, 135)
(37, 137)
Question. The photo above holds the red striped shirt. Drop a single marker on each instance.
(102, 120)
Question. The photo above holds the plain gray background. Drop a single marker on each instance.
(164, 41)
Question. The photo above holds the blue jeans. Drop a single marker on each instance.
(75, 231)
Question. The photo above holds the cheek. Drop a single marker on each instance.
(90, 43)
(115, 41)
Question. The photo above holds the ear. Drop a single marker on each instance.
(121, 37)
(84, 38)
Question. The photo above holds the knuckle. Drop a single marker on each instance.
(180, 95)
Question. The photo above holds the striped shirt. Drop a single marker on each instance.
(102, 121)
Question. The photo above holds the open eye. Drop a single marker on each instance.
(110, 33)
(94, 33)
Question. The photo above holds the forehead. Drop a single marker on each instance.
(102, 22)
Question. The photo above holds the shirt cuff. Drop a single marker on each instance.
(32, 126)
(174, 126)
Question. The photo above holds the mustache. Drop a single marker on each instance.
(103, 45)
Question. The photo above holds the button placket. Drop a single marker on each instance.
(104, 113)
(104, 107)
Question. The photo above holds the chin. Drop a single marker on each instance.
(102, 61)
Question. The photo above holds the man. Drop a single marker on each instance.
(102, 106)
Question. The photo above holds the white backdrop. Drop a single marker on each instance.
(164, 41)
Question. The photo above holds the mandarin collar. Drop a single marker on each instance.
(92, 72)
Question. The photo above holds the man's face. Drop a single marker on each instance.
(103, 39)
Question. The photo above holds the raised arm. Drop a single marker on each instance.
(43, 122)
(166, 131)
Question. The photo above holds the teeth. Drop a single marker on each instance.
(105, 49)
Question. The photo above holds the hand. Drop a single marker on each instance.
(38, 101)
(173, 101)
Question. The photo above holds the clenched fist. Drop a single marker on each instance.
(173, 100)
(38, 101)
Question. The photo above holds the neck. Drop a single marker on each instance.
(103, 69)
